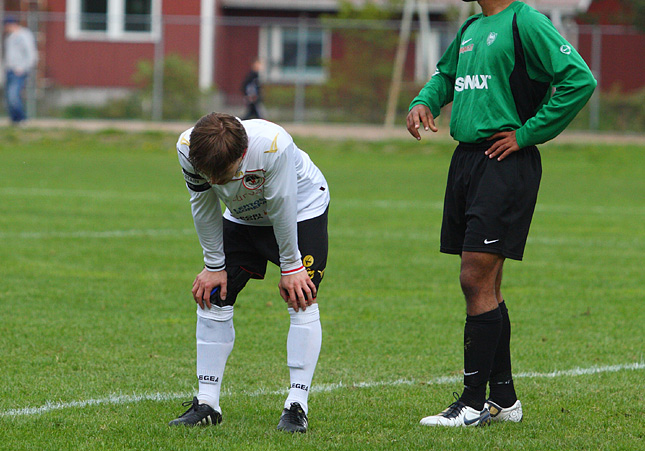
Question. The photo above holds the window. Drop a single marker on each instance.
(113, 20)
(94, 15)
(138, 15)
(279, 48)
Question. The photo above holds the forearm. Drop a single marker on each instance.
(207, 217)
(558, 112)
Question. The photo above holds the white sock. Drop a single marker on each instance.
(303, 347)
(215, 337)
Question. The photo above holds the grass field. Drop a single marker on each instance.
(97, 344)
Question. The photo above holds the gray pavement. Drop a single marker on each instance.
(358, 132)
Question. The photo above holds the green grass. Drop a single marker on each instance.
(98, 255)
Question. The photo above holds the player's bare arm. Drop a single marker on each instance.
(418, 115)
(505, 145)
(204, 284)
(297, 290)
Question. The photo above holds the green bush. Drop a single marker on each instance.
(618, 112)
(181, 95)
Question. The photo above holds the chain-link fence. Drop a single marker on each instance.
(324, 69)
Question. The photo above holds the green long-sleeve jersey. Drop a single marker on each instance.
(509, 71)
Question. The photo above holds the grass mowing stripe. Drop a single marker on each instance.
(393, 235)
(95, 234)
(324, 388)
(353, 203)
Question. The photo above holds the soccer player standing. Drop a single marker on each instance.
(514, 82)
(277, 203)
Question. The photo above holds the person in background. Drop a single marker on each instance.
(20, 58)
(252, 91)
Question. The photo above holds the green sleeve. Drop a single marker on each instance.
(550, 58)
(439, 91)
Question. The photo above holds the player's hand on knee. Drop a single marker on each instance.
(204, 284)
(420, 115)
(297, 290)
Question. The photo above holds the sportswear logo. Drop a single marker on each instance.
(206, 378)
(466, 41)
(468, 48)
(565, 49)
(468, 422)
(490, 241)
(472, 82)
(491, 38)
(471, 374)
(274, 145)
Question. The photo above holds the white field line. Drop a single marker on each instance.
(324, 388)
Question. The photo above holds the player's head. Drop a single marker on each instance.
(217, 144)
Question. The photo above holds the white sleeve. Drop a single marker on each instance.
(207, 215)
(281, 194)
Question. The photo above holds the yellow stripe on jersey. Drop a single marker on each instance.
(274, 145)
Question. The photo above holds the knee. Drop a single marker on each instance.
(471, 285)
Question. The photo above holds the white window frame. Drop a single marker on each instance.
(115, 24)
(271, 45)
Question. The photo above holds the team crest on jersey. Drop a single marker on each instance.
(252, 181)
(491, 38)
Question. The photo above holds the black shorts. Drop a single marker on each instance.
(249, 248)
(489, 204)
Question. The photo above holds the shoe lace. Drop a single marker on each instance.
(193, 406)
(455, 408)
(295, 414)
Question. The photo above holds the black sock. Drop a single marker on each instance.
(481, 335)
(502, 390)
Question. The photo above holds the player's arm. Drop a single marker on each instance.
(552, 59)
(207, 217)
(436, 93)
(281, 194)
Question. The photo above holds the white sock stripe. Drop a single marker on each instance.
(162, 397)
(216, 313)
(305, 316)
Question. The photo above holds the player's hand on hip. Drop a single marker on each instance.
(204, 284)
(420, 115)
(505, 145)
(297, 290)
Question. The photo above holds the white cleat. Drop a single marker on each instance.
(498, 413)
(458, 414)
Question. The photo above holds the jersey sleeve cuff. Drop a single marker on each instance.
(288, 272)
(215, 268)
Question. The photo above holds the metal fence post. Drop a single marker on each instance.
(596, 69)
(31, 94)
(301, 63)
(157, 78)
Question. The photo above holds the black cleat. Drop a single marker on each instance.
(293, 419)
(197, 414)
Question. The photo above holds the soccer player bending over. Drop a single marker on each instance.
(514, 82)
(276, 210)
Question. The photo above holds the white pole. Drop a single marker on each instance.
(207, 44)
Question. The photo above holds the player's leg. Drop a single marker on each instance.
(215, 332)
(479, 273)
(502, 402)
(304, 339)
(305, 331)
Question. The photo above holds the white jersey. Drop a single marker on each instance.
(276, 185)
